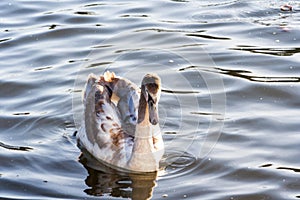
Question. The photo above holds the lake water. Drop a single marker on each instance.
(229, 109)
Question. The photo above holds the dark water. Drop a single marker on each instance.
(229, 108)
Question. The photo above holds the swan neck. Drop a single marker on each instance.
(143, 111)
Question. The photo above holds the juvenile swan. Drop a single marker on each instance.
(120, 126)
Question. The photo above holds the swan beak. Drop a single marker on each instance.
(153, 113)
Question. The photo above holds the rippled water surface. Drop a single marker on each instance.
(229, 109)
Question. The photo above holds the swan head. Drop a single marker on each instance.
(151, 89)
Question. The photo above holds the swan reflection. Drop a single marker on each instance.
(105, 181)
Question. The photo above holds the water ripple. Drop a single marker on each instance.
(245, 74)
(177, 164)
(208, 37)
(276, 51)
(179, 92)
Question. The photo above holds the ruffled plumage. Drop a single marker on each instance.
(120, 122)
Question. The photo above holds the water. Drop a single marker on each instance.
(229, 108)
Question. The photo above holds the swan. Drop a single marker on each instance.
(120, 126)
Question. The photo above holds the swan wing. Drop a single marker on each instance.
(104, 137)
(126, 96)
